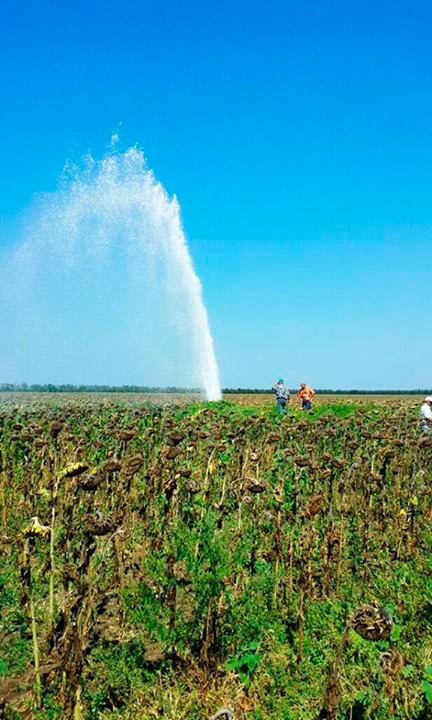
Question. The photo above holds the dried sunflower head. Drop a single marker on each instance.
(112, 465)
(314, 505)
(372, 622)
(72, 470)
(36, 529)
(90, 481)
(170, 453)
(126, 435)
(255, 485)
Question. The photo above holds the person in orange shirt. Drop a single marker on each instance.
(305, 395)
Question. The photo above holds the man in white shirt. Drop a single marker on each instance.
(426, 414)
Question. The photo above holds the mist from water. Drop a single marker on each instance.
(101, 287)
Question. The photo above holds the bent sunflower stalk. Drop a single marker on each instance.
(69, 471)
(33, 530)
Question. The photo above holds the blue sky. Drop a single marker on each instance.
(298, 139)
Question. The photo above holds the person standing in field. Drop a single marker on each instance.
(426, 415)
(282, 395)
(305, 395)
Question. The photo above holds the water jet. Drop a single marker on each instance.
(101, 288)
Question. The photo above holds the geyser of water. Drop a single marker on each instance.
(102, 288)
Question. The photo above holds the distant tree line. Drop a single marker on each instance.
(50, 388)
(322, 391)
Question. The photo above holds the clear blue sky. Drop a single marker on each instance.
(298, 139)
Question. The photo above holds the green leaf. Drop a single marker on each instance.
(408, 671)
(426, 687)
(244, 677)
(396, 633)
(251, 661)
(253, 646)
(232, 664)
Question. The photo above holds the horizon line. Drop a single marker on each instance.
(171, 389)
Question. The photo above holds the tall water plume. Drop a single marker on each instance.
(102, 288)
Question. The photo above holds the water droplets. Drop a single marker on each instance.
(106, 285)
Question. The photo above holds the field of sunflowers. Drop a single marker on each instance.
(191, 561)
